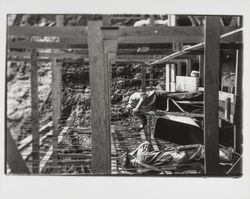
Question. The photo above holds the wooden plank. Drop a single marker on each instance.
(76, 156)
(110, 48)
(18, 54)
(180, 34)
(99, 84)
(178, 70)
(45, 45)
(201, 69)
(151, 20)
(14, 158)
(188, 67)
(127, 34)
(34, 111)
(133, 50)
(211, 86)
(56, 96)
(173, 77)
(158, 39)
(238, 139)
(168, 76)
(75, 31)
(61, 55)
(143, 77)
(227, 109)
(106, 20)
(44, 60)
(173, 32)
(172, 20)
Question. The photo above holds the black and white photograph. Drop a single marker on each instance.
(153, 94)
(124, 99)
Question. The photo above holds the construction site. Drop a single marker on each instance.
(70, 78)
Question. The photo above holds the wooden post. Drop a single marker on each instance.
(143, 77)
(34, 112)
(178, 71)
(238, 107)
(101, 52)
(110, 49)
(168, 77)
(106, 19)
(56, 97)
(173, 78)
(151, 20)
(188, 67)
(201, 69)
(211, 74)
(172, 22)
(14, 158)
(151, 76)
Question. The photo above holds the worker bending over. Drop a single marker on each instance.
(141, 102)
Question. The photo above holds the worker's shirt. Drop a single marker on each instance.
(148, 103)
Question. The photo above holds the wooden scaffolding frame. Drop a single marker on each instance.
(99, 44)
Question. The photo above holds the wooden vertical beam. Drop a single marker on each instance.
(238, 107)
(151, 20)
(100, 53)
(172, 22)
(211, 74)
(188, 67)
(98, 105)
(178, 71)
(201, 69)
(173, 77)
(106, 20)
(151, 76)
(34, 112)
(143, 77)
(56, 96)
(110, 49)
(14, 158)
(168, 77)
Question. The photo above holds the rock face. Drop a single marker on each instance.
(19, 98)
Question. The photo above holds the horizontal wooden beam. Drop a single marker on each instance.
(136, 51)
(65, 31)
(127, 35)
(48, 55)
(158, 39)
(25, 56)
(178, 31)
(45, 45)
